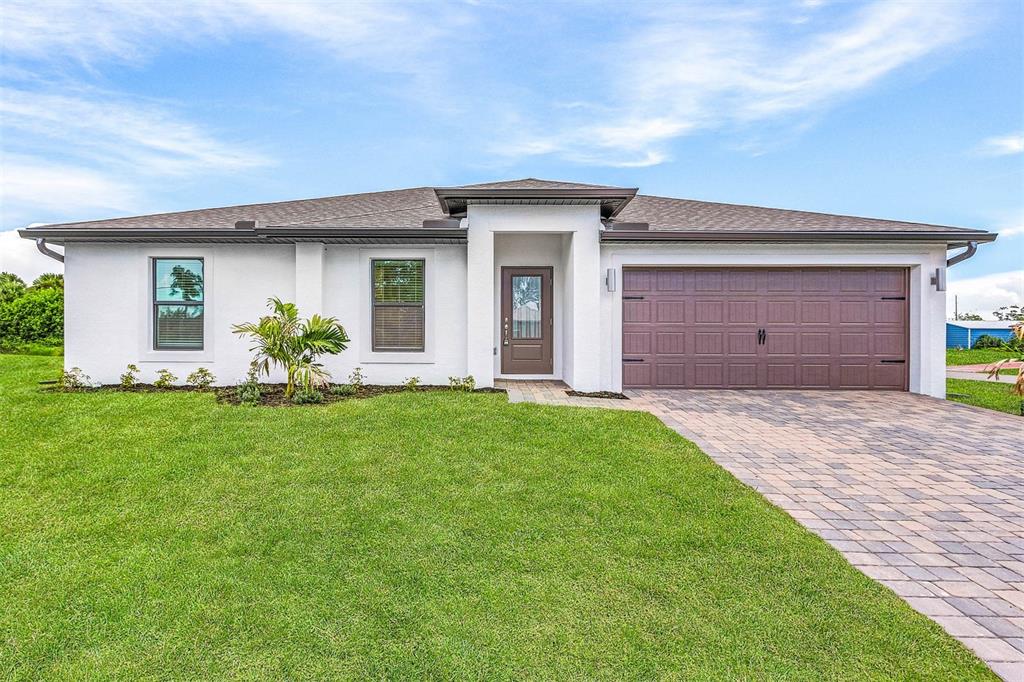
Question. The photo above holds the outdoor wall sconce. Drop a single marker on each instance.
(939, 279)
(609, 279)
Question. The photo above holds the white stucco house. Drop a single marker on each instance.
(598, 286)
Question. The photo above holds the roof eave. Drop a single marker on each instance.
(615, 198)
(951, 238)
(273, 233)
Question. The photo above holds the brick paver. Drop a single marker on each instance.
(924, 495)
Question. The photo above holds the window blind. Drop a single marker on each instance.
(398, 314)
(178, 303)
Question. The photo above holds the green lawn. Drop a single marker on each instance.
(437, 535)
(978, 356)
(994, 396)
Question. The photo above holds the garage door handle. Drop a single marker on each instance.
(632, 298)
(632, 359)
(893, 362)
(894, 298)
(761, 336)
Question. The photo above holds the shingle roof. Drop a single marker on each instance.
(408, 208)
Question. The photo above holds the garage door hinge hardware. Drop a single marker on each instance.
(894, 298)
(632, 359)
(632, 298)
(893, 362)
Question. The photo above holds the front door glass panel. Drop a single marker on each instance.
(526, 307)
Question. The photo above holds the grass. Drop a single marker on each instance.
(978, 356)
(416, 535)
(32, 348)
(994, 396)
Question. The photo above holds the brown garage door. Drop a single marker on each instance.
(764, 328)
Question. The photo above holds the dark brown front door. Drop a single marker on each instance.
(526, 321)
(831, 328)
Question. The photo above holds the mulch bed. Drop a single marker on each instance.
(597, 394)
(272, 395)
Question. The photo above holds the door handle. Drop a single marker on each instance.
(505, 341)
(761, 336)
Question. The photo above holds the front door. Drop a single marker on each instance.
(527, 322)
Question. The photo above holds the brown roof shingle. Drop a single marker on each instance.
(408, 208)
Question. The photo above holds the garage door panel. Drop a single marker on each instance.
(815, 312)
(709, 343)
(889, 312)
(709, 312)
(780, 312)
(742, 375)
(671, 343)
(815, 376)
(708, 375)
(853, 375)
(671, 375)
(854, 312)
(670, 311)
(636, 343)
(781, 343)
(671, 280)
(743, 343)
(743, 312)
(636, 311)
(824, 328)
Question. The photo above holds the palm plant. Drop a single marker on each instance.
(994, 368)
(281, 339)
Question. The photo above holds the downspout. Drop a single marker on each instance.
(47, 251)
(972, 248)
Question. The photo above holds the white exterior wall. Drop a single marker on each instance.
(578, 229)
(108, 312)
(108, 315)
(927, 368)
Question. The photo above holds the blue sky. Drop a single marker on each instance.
(899, 110)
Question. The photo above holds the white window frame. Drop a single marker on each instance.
(147, 353)
(366, 353)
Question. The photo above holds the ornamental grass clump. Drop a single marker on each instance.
(282, 340)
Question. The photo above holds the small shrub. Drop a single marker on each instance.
(344, 389)
(74, 379)
(356, 378)
(130, 376)
(164, 378)
(202, 378)
(412, 383)
(466, 383)
(248, 392)
(304, 396)
(988, 341)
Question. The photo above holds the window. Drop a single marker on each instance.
(178, 303)
(398, 322)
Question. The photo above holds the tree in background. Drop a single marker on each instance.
(31, 315)
(1010, 313)
(49, 280)
(967, 317)
(11, 287)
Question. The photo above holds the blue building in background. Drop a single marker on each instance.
(964, 333)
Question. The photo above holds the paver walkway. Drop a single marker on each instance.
(924, 495)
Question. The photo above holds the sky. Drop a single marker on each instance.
(901, 110)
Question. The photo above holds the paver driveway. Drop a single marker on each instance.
(925, 495)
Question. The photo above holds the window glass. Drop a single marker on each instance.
(526, 307)
(178, 303)
(397, 303)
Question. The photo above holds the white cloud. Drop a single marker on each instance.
(986, 293)
(1002, 145)
(21, 257)
(688, 67)
(27, 182)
